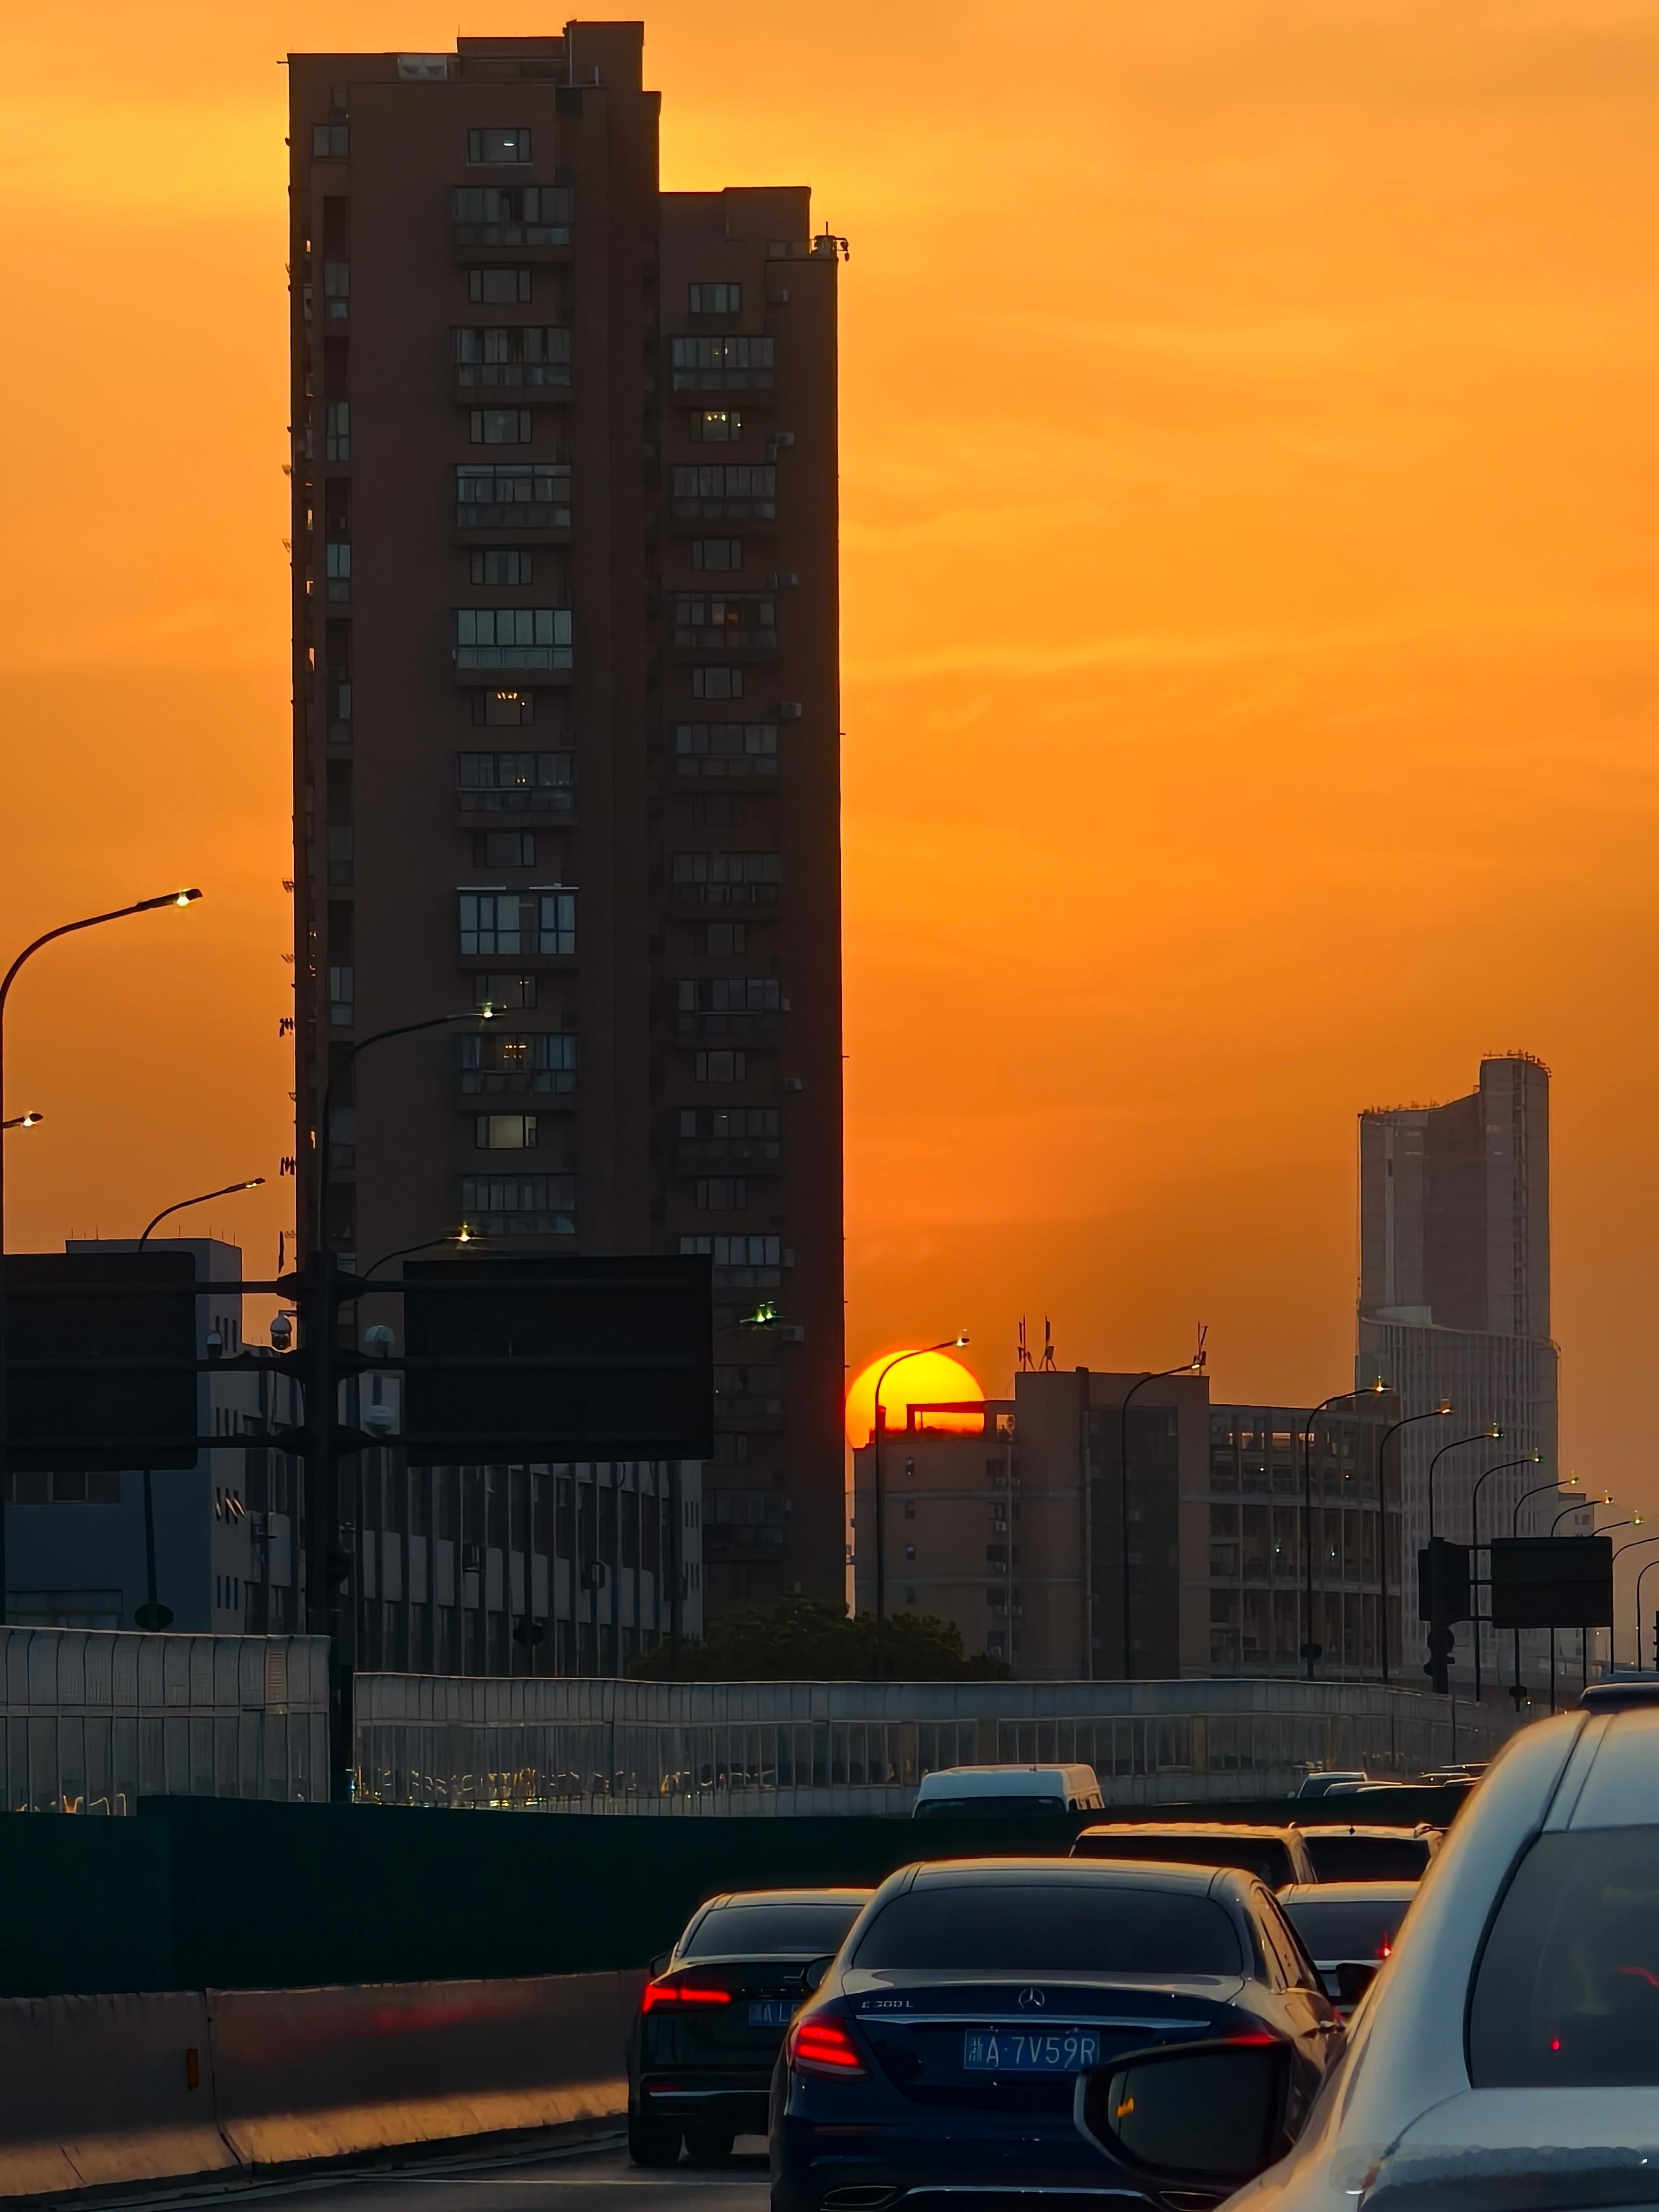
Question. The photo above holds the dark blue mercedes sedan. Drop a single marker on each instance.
(936, 2066)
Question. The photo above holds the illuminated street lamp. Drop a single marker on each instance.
(1192, 1366)
(948, 1344)
(23, 1122)
(1311, 1651)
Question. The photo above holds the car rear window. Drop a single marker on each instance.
(1049, 1927)
(760, 1931)
(1257, 1855)
(985, 1809)
(1367, 1858)
(1348, 1928)
(1567, 1988)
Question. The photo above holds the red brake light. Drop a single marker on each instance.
(1385, 1949)
(822, 2045)
(666, 1992)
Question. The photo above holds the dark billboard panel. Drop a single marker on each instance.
(522, 1358)
(131, 1314)
(1552, 1581)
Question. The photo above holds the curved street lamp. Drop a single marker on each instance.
(1192, 1366)
(48, 937)
(1631, 1544)
(1435, 1414)
(946, 1344)
(153, 1613)
(1606, 1498)
(1493, 1431)
(30, 1120)
(1311, 1650)
(1641, 1574)
(1528, 1459)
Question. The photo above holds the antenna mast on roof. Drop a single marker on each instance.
(1047, 1366)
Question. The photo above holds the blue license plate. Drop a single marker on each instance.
(1021, 2051)
(770, 2012)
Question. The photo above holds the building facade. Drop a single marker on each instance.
(1454, 1302)
(565, 744)
(1027, 1525)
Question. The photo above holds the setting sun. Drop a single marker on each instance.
(929, 1379)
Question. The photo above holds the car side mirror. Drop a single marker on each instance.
(1190, 2112)
(1353, 1978)
(812, 1974)
(658, 1963)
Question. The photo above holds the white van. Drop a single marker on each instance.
(1005, 1793)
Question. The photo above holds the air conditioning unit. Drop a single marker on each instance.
(782, 579)
(789, 710)
(793, 1333)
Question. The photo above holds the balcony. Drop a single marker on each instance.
(727, 750)
(516, 783)
(743, 361)
(736, 1027)
(519, 1205)
(511, 495)
(762, 1154)
(523, 639)
(726, 622)
(489, 220)
(531, 360)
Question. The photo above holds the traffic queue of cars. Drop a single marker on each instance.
(927, 2040)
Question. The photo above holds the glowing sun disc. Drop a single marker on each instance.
(926, 1379)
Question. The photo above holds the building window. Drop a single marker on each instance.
(337, 290)
(717, 684)
(493, 1062)
(503, 565)
(722, 553)
(518, 922)
(504, 1133)
(338, 431)
(498, 145)
(722, 1067)
(756, 1391)
(729, 1005)
(714, 426)
(341, 997)
(500, 426)
(715, 299)
(723, 937)
(338, 560)
(504, 710)
(742, 362)
(727, 879)
(519, 1205)
(736, 620)
(515, 783)
(725, 491)
(506, 991)
(512, 637)
(750, 1126)
(498, 288)
(722, 1194)
(504, 849)
(330, 141)
(511, 215)
(512, 494)
(512, 356)
(708, 749)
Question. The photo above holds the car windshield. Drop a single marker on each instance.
(761, 1931)
(1258, 1854)
(1567, 1989)
(1347, 1928)
(1051, 1927)
(985, 1809)
(1367, 1858)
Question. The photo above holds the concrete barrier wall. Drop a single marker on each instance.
(107, 2090)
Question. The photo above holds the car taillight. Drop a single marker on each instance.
(823, 2045)
(1385, 1949)
(658, 1993)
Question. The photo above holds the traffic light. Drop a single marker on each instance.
(1442, 1597)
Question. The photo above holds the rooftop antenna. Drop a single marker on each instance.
(1023, 1359)
(1200, 1355)
(1047, 1366)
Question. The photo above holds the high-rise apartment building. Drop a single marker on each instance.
(1455, 1295)
(566, 741)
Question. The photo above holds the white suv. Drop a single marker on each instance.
(1506, 2058)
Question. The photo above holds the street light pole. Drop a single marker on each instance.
(1641, 1574)
(64, 929)
(1530, 1459)
(948, 1344)
(325, 1598)
(23, 1122)
(1635, 1544)
(1490, 1433)
(150, 1613)
(1311, 1651)
(1435, 1414)
(1192, 1366)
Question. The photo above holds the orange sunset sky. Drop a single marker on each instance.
(1251, 532)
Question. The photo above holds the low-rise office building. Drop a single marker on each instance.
(1080, 1538)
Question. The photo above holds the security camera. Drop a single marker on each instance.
(281, 1332)
(380, 1420)
(378, 1340)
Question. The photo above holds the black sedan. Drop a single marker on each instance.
(702, 2047)
(941, 2052)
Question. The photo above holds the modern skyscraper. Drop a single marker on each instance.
(566, 740)
(1454, 1293)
